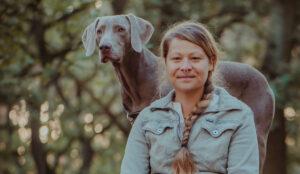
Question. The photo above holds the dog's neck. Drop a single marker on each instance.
(129, 72)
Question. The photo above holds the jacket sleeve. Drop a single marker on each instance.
(136, 156)
(243, 154)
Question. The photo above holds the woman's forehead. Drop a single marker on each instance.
(178, 46)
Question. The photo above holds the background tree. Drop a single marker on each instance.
(61, 112)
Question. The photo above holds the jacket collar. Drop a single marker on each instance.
(221, 101)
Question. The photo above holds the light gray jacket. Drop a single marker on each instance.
(222, 140)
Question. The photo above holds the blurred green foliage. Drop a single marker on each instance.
(61, 112)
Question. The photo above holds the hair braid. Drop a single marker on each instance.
(183, 162)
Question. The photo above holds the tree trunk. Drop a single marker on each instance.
(276, 64)
(276, 150)
(118, 6)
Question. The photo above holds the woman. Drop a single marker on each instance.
(196, 128)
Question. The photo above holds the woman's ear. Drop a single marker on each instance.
(211, 67)
(212, 64)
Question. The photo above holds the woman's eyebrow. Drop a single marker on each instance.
(175, 54)
(197, 54)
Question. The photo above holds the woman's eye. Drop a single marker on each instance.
(196, 58)
(175, 58)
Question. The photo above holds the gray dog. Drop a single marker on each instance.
(121, 40)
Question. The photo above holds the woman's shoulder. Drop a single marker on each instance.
(225, 98)
(161, 104)
(144, 114)
(233, 105)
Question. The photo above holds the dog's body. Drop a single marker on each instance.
(121, 40)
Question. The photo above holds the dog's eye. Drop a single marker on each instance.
(99, 31)
(121, 29)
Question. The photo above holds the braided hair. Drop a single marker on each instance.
(183, 162)
(198, 34)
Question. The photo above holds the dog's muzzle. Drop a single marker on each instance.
(104, 59)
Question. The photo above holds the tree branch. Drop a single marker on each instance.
(64, 51)
(60, 93)
(225, 11)
(89, 78)
(69, 15)
(106, 127)
(227, 24)
(108, 112)
(105, 107)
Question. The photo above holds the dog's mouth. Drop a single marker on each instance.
(109, 56)
(106, 59)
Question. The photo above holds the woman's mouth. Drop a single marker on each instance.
(185, 78)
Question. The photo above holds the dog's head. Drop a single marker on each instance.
(113, 35)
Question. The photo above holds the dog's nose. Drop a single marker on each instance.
(105, 47)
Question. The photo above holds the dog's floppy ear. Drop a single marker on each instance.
(89, 38)
(140, 31)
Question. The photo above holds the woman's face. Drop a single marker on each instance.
(187, 65)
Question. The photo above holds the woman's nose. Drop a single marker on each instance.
(186, 65)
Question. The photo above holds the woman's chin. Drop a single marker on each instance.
(186, 88)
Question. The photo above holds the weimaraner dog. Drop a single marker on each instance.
(121, 40)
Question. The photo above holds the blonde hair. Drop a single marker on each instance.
(198, 34)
